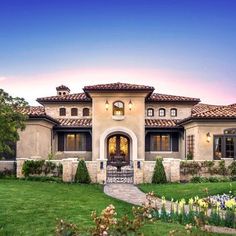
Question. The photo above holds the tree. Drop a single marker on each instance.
(11, 120)
(82, 174)
(159, 175)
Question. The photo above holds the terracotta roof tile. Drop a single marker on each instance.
(201, 107)
(33, 111)
(157, 97)
(117, 86)
(76, 122)
(161, 123)
(76, 97)
(62, 87)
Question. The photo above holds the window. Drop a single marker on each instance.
(62, 111)
(160, 142)
(86, 112)
(150, 112)
(75, 142)
(162, 112)
(74, 112)
(224, 146)
(173, 112)
(190, 145)
(118, 108)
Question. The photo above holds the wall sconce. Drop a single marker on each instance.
(208, 137)
(138, 164)
(106, 105)
(130, 105)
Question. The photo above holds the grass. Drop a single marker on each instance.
(31, 208)
(188, 190)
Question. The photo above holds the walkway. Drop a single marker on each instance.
(131, 194)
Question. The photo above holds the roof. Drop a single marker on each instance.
(76, 97)
(62, 87)
(36, 112)
(207, 111)
(161, 123)
(118, 86)
(75, 122)
(158, 97)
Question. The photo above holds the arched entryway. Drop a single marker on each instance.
(118, 149)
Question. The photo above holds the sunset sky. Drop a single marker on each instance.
(181, 47)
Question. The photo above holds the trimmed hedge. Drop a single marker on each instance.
(82, 174)
(159, 175)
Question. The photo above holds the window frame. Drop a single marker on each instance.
(150, 109)
(159, 112)
(83, 149)
(74, 109)
(223, 146)
(171, 110)
(113, 108)
(152, 136)
(62, 113)
(85, 109)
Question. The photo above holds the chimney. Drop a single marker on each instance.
(62, 90)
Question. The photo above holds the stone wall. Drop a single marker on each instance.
(7, 165)
(202, 168)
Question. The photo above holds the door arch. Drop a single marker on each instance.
(118, 149)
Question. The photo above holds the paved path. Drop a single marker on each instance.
(131, 194)
(126, 192)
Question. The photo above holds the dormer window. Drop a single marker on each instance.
(62, 111)
(150, 112)
(173, 112)
(162, 112)
(118, 108)
(86, 112)
(74, 112)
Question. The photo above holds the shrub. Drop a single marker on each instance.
(189, 156)
(232, 168)
(192, 167)
(159, 175)
(82, 175)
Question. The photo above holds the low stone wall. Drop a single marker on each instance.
(7, 165)
(190, 169)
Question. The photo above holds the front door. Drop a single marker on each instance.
(118, 149)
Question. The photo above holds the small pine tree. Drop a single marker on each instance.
(159, 175)
(82, 175)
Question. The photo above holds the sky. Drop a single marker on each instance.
(181, 47)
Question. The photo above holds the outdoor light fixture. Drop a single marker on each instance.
(130, 105)
(107, 105)
(208, 137)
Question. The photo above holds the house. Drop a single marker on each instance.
(120, 124)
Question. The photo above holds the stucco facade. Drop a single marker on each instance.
(110, 125)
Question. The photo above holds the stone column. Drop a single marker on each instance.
(19, 164)
(101, 171)
(67, 175)
(167, 166)
(175, 170)
(138, 171)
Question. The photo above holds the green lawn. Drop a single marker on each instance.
(188, 190)
(31, 208)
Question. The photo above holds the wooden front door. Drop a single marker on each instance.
(118, 149)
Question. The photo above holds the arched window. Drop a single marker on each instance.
(62, 111)
(86, 112)
(162, 112)
(173, 112)
(150, 112)
(118, 108)
(74, 112)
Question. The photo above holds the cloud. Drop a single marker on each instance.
(165, 81)
(2, 78)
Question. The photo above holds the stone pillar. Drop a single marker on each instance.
(175, 170)
(101, 171)
(19, 164)
(67, 175)
(167, 166)
(138, 171)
